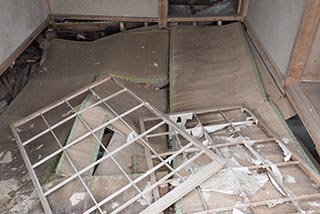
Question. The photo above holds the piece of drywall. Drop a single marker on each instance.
(275, 23)
(128, 8)
(19, 19)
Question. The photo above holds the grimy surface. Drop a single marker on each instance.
(136, 56)
(210, 66)
(68, 68)
(213, 66)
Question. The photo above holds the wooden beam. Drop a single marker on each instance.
(192, 182)
(106, 18)
(5, 65)
(306, 111)
(303, 42)
(204, 18)
(244, 8)
(163, 13)
(239, 6)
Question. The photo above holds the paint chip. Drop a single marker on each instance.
(77, 197)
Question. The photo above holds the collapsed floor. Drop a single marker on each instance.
(208, 67)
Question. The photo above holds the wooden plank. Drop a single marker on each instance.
(204, 18)
(306, 111)
(312, 69)
(5, 65)
(244, 8)
(239, 6)
(163, 13)
(304, 42)
(7, 84)
(106, 18)
(183, 189)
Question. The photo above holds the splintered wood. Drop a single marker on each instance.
(98, 166)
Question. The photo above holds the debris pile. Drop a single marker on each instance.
(106, 150)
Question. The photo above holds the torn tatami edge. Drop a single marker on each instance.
(216, 162)
(140, 80)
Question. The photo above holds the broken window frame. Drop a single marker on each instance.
(293, 160)
(165, 201)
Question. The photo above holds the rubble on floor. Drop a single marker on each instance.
(121, 154)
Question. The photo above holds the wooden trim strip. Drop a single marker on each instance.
(163, 13)
(106, 18)
(303, 42)
(204, 18)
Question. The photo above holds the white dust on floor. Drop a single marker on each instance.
(5, 157)
(6, 187)
(77, 197)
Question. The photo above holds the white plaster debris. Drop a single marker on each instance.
(7, 158)
(131, 136)
(26, 129)
(314, 203)
(206, 196)
(287, 153)
(290, 179)
(39, 147)
(196, 132)
(236, 211)
(233, 181)
(272, 203)
(77, 197)
(67, 114)
(115, 205)
(156, 65)
(285, 140)
(205, 142)
(236, 125)
(147, 196)
(183, 118)
(6, 186)
(259, 146)
(28, 203)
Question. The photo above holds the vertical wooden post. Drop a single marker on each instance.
(244, 8)
(162, 13)
(303, 42)
(239, 6)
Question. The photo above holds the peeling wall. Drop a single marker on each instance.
(275, 24)
(18, 19)
(131, 8)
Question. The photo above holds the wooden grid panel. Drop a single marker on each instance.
(90, 111)
(235, 128)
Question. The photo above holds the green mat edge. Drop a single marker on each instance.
(177, 205)
(76, 122)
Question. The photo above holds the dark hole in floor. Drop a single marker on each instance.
(107, 135)
(303, 136)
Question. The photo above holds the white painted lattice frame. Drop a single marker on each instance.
(165, 201)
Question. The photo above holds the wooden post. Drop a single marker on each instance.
(239, 4)
(162, 13)
(244, 8)
(303, 42)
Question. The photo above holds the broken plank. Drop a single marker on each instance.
(183, 189)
